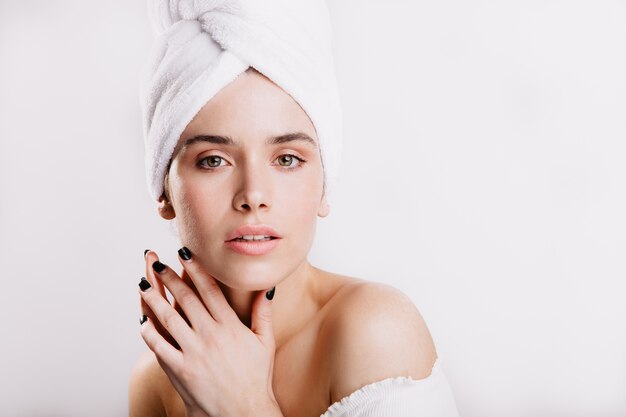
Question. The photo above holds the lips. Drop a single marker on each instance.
(253, 248)
(254, 230)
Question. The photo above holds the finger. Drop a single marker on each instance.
(168, 317)
(191, 305)
(150, 256)
(164, 351)
(262, 317)
(208, 288)
(147, 311)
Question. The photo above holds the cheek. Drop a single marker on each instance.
(195, 213)
(301, 204)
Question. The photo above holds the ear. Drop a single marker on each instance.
(324, 208)
(165, 208)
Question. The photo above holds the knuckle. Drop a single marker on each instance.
(266, 315)
(159, 349)
(186, 297)
(169, 320)
(213, 289)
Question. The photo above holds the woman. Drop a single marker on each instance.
(255, 328)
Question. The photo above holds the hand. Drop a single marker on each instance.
(145, 309)
(221, 367)
(150, 258)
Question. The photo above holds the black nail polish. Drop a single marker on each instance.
(158, 266)
(144, 284)
(143, 319)
(184, 253)
(146, 251)
(270, 294)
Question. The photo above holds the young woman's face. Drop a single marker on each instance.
(215, 188)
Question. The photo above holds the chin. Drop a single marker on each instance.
(252, 276)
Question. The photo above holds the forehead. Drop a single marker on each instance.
(251, 107)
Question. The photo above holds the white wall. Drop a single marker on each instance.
(483, 174)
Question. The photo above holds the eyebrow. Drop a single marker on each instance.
(273, 140)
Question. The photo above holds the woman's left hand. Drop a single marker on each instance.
(223, 368)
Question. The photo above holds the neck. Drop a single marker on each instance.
(292, 305)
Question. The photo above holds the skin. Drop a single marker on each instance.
(356, 331)
(250, 187)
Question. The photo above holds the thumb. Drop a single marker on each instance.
(262, 316)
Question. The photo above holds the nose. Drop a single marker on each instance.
(254, 191)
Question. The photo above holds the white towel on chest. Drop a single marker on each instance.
(203, 45)
(400, 397)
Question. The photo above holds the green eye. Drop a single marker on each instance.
(286, 159)
(212, 161)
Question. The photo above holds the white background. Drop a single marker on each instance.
(484, 174)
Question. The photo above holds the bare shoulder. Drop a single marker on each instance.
(150, 392)
(377, 332)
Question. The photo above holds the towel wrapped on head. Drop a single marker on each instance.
(203, 45)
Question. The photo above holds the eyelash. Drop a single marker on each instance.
(301, 162)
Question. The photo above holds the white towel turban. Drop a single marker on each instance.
(202, 45)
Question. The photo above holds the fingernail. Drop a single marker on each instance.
(270, 294)
(146, 251)
(143, 319)
(158, 266)
(144, 284)
(184, 253)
